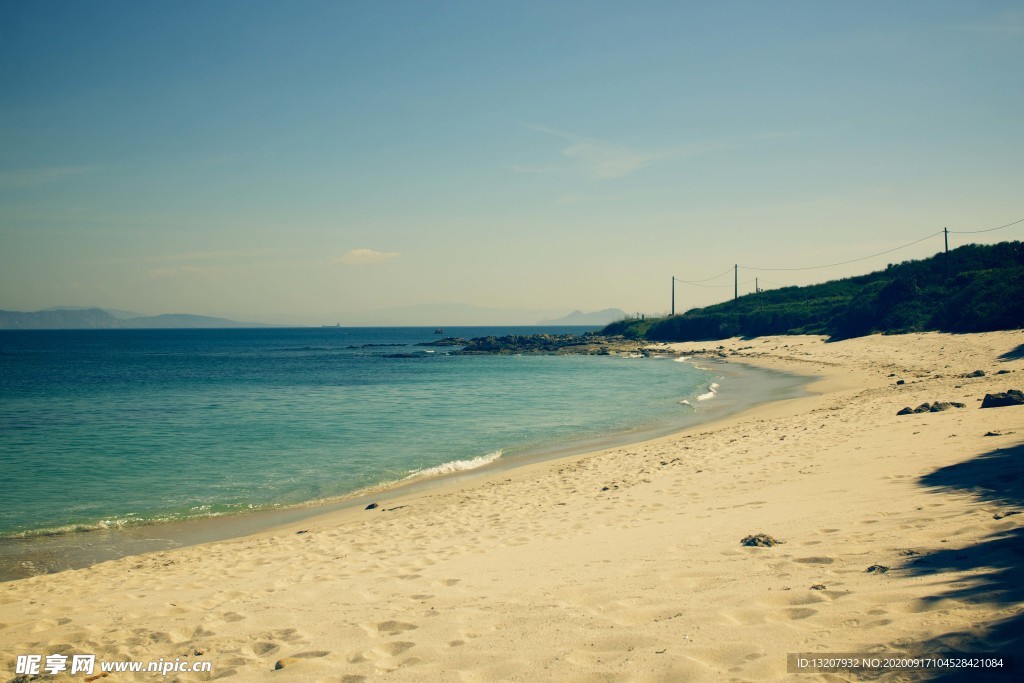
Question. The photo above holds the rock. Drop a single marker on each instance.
(1013, 397)
(447, 341)
(923, 408)
(939, 406)
(877, 568)
(976, 373)
(900, 382)
(957, 404)
(906, 411)
(993, 434)
(286, 661)
(1003, 372)
(760, 541)
(1002, 515)
(818, 587)
(371, 506)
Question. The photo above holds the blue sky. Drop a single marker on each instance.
(309, 161)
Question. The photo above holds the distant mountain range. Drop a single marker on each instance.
(608, 315)
(95, 318)
(465, 314)
(74, 318)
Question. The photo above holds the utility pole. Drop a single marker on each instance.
(757, 287)
(673, 295)
(735, 282)
(945, 235)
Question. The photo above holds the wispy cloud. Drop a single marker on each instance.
(219, 255)
(602, 159)
(366, 257)
(176, 271)
(32, 177)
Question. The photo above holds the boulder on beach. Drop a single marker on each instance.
(1013, 397)
(936, 407)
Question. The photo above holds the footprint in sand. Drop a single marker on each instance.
(262, 647)
(397, 647)
(393, 628)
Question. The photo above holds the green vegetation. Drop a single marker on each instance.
(984, 291)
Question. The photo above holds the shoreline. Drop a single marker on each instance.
(899, 538)
(32, 555)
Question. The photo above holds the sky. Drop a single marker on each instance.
(322, 162)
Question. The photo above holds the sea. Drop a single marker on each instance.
(106, 430)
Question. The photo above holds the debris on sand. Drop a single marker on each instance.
(760, 541)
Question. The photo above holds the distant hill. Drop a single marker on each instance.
(184, 320)
(117, 313)
(983, 291)
(58, 319)
(604, 317)
(71, 318)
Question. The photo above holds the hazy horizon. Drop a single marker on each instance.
(316, 162)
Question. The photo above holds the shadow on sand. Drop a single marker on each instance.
(996, 561)
(1013, 354)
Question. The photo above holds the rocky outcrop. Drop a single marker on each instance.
(1013, 397)
(936, 407)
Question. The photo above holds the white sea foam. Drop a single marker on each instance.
(455, 466)
(712, 390)
(681, 359)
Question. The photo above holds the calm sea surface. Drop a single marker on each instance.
(110, 428)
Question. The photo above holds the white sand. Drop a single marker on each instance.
(539, 574)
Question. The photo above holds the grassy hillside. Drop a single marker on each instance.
(983, 291)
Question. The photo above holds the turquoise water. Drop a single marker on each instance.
(113, 428)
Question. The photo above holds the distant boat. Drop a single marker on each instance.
(439, 331)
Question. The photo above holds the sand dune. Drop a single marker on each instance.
(624, 564)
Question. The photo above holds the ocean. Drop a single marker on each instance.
(113, 429)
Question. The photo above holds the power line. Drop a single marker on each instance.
(693, 282)
(974, 232)
(734, 269)
(843, 263)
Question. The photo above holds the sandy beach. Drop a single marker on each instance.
(897, 536)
